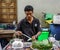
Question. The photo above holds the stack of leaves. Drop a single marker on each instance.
(42, 45)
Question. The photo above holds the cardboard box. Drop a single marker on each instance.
(56, 19)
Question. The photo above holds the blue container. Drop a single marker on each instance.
(10, 26)
(55, 30)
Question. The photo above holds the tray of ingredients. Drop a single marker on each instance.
(17, 44)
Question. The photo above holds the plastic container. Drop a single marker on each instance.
(55, 30)
(44, 35)
(17, 44)
(49, 16)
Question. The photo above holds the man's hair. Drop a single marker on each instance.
(28, 8)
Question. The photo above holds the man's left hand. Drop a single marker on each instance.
(34, 37)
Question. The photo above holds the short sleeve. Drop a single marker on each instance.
(19, 28)
(38, 26)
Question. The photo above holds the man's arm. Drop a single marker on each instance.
(37, 34)
(38, 30)
(18, 29)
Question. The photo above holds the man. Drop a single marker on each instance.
(29, 26)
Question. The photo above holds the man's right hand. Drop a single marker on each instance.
(19, 33)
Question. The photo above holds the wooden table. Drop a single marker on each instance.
(6, 33)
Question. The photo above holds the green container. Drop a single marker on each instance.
(2, 26)
(44, 35)
(49, 16)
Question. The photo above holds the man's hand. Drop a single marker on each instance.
(34, 37)
(19, 33)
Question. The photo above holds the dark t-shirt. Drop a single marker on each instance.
(27, 28)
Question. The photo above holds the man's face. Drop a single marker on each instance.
(29, 14)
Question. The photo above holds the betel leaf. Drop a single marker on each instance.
(45, 44)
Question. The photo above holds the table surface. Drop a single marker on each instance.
(6, 31)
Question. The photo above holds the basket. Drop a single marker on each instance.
(44, 35)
